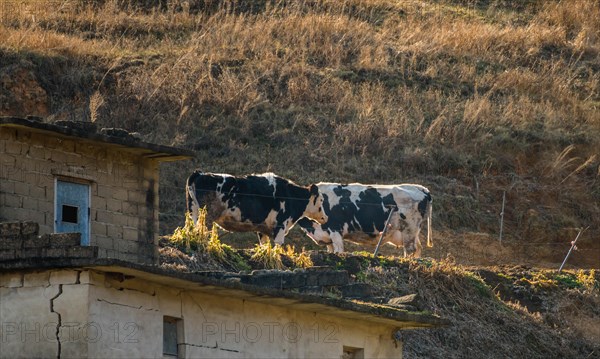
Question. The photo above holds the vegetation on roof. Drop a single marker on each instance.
(493, 311)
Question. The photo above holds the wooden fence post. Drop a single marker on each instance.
(502, 215)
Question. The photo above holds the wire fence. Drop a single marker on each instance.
(486, 216)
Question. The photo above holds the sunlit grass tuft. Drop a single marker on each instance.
(268, 255)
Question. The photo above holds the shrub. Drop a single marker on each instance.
(300, 260)
(197, 237)
(268, 256)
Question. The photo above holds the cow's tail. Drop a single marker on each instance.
(429, 230)
(191, 201)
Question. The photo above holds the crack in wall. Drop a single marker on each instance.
(59, 323)
(195, 302)
(209, 347)
(123, 305)
(122, 288)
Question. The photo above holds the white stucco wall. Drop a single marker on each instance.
(34, 305)
(110, 316)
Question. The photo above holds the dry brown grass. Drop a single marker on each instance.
(494, 311)
(502, 93)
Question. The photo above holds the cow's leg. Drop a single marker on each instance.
(411, 246)
(418, 248)
(409, 241)
(337, 241)
(194, 210)
(396, 238)
(279, 235)
(330, 248)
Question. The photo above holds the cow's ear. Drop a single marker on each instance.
(314, 190)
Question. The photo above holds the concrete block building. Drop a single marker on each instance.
(69, 177)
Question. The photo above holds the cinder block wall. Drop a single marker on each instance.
(124, 189)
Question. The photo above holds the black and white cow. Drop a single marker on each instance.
(359, 212)
(267, 204)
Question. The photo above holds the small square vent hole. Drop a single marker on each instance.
(69, 213)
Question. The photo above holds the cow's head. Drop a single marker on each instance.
(314, 231)
(314, 209)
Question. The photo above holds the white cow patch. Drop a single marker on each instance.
(401, 232)
(220, 186)
(270, 177)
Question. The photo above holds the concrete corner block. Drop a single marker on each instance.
(65, 239)
(30, 228)
(82, 252)
(11, 243)
(11, 280)
(275, 279)
(7, 254)
(28, 253)
(41, 279)
(314, 290)
(127, 257)
(37, 242)
(64, 277)
(10, 229)
(147, 253)
(356, 290)
(59, 252)
(333, 278)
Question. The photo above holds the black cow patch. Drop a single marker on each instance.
(358, 212)
(424, 203)
(266, 203)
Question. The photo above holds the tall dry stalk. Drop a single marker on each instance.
(96, 101)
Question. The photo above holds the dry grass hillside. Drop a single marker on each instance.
(469, 97)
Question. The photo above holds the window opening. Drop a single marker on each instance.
(353, 353)
(69, 213)
(172, 336)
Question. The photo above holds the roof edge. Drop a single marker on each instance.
(347, 308)
(161, 153)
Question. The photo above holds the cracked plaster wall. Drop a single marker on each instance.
(120, 317)
(32, 305)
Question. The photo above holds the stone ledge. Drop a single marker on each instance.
(356, 290)
(15, 229)
(20, 241)
(48, 253)
(299, 278)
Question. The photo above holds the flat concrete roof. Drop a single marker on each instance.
(127, 143)
(351, 309)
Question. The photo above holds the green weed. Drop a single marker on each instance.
(479, 284)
